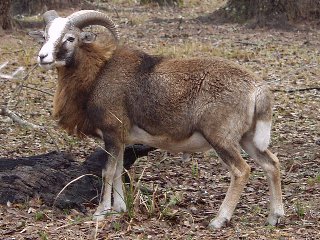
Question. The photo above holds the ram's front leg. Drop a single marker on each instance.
(115, 151)
(119, 204)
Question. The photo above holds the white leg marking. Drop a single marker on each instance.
(108, 175)
(261, 137)
(119, 204)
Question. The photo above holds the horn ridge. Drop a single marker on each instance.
(85, 18)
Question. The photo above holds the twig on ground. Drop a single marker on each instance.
(12, 75)
(39, 90)
(52, 138)
(15, 118)
(247, 43)
(116, 11)
(296, 90)
(20, 86)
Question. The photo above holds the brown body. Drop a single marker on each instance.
(123, 96)
(163, 96)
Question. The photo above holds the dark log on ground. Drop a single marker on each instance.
(45, 175)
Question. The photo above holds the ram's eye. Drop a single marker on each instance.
(70, 39)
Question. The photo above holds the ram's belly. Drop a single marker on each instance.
(195, 143)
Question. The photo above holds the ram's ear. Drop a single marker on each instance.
(88, 37)
(38, 35)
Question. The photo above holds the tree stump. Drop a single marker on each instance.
(47, 174)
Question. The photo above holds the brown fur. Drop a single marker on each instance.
(74, 87)
(175, 97)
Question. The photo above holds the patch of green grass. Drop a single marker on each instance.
(130, 194)
(299, 209)
(212, 154)
(195, 168)
(313, 180)
(79, 219)
(66, 211)
(270, 227)
(167, 210)
(257, 210)
(39, 216)
(116, 226)
(189, 237)
(43, 235)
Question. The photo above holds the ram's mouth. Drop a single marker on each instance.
(60, 63)
(46, 65)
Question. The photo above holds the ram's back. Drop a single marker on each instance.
(164, 95)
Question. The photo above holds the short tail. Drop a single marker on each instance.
(263, 118)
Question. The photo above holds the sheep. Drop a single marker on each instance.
(126, 96)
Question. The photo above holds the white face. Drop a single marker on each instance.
(47, 56)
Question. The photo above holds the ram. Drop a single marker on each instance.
(126, 96)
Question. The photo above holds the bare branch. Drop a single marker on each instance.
(39, 90)
(15, 118)
(296, 90)
(18, 89)
(12, 75)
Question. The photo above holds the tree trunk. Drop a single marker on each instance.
(274, 13)
(45, 175)
(5, 19)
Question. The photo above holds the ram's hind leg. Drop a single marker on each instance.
(239, 169)
(270, 164)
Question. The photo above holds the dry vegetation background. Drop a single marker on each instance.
(181, 197)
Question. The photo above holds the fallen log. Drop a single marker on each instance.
(45, 175)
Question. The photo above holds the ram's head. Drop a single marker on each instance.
(62, 36)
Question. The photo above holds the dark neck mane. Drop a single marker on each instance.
(74, 87)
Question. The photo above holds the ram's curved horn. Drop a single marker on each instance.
(48, 16)
(85, 18)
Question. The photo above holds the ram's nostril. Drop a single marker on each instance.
(42, 56)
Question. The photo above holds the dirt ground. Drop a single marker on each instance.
(176, 199)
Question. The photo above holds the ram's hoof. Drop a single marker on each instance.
(120, 206)
(98, 217)
(274, 219)
(218, 223)
(101, 214)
